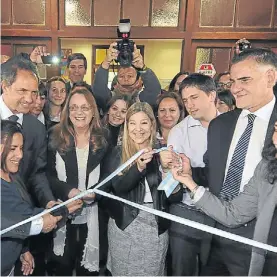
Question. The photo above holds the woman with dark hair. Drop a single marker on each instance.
(170, 111)
(77, 146)
(225, 101)
(177, 80)
(258, 199)
(56, 96)
(115, 116)
(16, 204)
(138, 241)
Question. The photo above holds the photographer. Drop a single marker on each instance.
(137, 80)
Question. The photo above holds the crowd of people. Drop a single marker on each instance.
(59, 139)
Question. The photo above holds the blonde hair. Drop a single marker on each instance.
(129, 148)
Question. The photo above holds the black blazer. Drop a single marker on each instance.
(131, 186)
(16, 205)
(220, 134)
(60, 188)
(32, 168)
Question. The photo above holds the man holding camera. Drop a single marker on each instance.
(136, 80)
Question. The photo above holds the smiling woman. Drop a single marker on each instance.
(16, 204)
(77, 146)
(144, 236)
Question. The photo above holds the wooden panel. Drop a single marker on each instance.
(258, 15)
(6, 49)
(221, 59)
(78, 12)
(275, 15)
(6, 12)
(28, 12)
(106, 12)
(217, 13)
(137, 11)
(165, 13)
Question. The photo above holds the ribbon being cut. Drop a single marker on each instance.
(168, 186)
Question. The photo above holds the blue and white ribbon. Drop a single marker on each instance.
(168, 216)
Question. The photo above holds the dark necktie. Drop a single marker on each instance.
(13, 118)
(231, 185)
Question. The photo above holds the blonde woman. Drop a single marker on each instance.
(138, 241)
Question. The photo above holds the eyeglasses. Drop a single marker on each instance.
(76, 108)
(224, 85)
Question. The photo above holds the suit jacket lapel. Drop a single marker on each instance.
(273, 119)
(20, 186)
(226, 136)
(94, 158)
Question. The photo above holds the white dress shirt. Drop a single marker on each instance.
(256, 143)
(190, 138)
(41, 118)
(5, 112)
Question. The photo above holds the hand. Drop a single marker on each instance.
(169, 159)
(50, 222)
(74, 206)
(50, 204)
(73, 193)
(184, 174)
(137, 58)
(112, 54)
(89, 198)
(144, 159)
(28, 263)
(39, 51)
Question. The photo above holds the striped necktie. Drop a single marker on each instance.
(231, 185)
(13, 118)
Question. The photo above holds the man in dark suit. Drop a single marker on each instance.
(20, 87)
(19, 90)
(235, 143)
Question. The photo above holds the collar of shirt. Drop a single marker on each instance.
(6, 112)
(194, 122)
(41, 118)
(264, 112)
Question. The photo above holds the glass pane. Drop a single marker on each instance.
(137, 11)
(28, 12)
(217, 13)
(165, 13)
(221, 59)
(100, 55)
(202, 56)
(6, 12)
(78, 12)
(107, 12)
(258, 15)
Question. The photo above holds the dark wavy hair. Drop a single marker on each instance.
(270, 155)
(8, 130)
(123, 97)
(174, 80)
(171, 95)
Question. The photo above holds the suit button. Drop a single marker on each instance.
(245, 225)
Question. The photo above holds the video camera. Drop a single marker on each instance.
(125, 46)
(244, 45)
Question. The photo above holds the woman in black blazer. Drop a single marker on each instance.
(16, 204)
(138, 241)
(77, 146)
